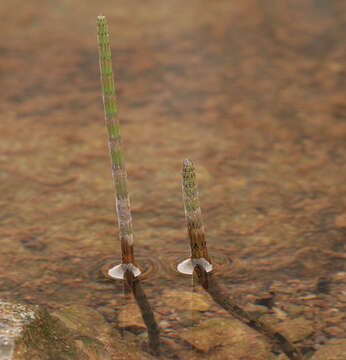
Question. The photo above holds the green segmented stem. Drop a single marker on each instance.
(193, 214)
(122, 199)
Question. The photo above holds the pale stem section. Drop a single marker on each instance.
(122, 199)
(193, 214)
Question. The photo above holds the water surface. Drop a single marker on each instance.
(253, 92)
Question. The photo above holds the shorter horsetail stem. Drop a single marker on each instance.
(193, 214)
(194, 223)
(122, 200)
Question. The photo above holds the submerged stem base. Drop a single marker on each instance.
(187, 266)
(118, 271)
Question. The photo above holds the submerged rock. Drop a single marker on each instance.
(227, 339)
(130, 317)
(334, 350)
(71, 333)
(183, 300)
(13, 317)
(297, 329)
(83, 319)
(46, 337)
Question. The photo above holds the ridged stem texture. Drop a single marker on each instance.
(193, 214)
(122, 200)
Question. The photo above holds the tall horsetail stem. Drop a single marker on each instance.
(122, 200)
(193, 214)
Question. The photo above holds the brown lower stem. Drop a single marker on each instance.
(198, 244)
(127, 252)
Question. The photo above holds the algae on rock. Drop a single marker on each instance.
(70, 333)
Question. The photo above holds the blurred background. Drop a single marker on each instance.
(252, 91)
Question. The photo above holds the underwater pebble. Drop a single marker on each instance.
(164, 324)
(297, 329)
(319, 340)
(107, 312)
(164, 310)
(130, 316)
(86, 320)
(248, 349)
(190, 317)
(340, 220)
(185, 300)
(339, 276)
(342, 297)
(308, 313)
(334, 350)
(333, 316)
(217, 332)
(209, 334)
(279, 314)
(255, 310)
(334, 331)
(270, 319)
(308, 297)
(13, 317)
(293, 310)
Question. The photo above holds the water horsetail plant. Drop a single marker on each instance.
(122, 200)
(199, 265)
(194, 223)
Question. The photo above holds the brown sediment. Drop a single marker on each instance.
(71, 206)
(61, 182)
(22, 150)
(42, 180)
(291, 261)
(253, 230)
(106, 219)
(208, 282)
(66, 238)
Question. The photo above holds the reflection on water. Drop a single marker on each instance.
(147, 314)
(254, 94)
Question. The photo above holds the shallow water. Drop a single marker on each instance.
(252, 92)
